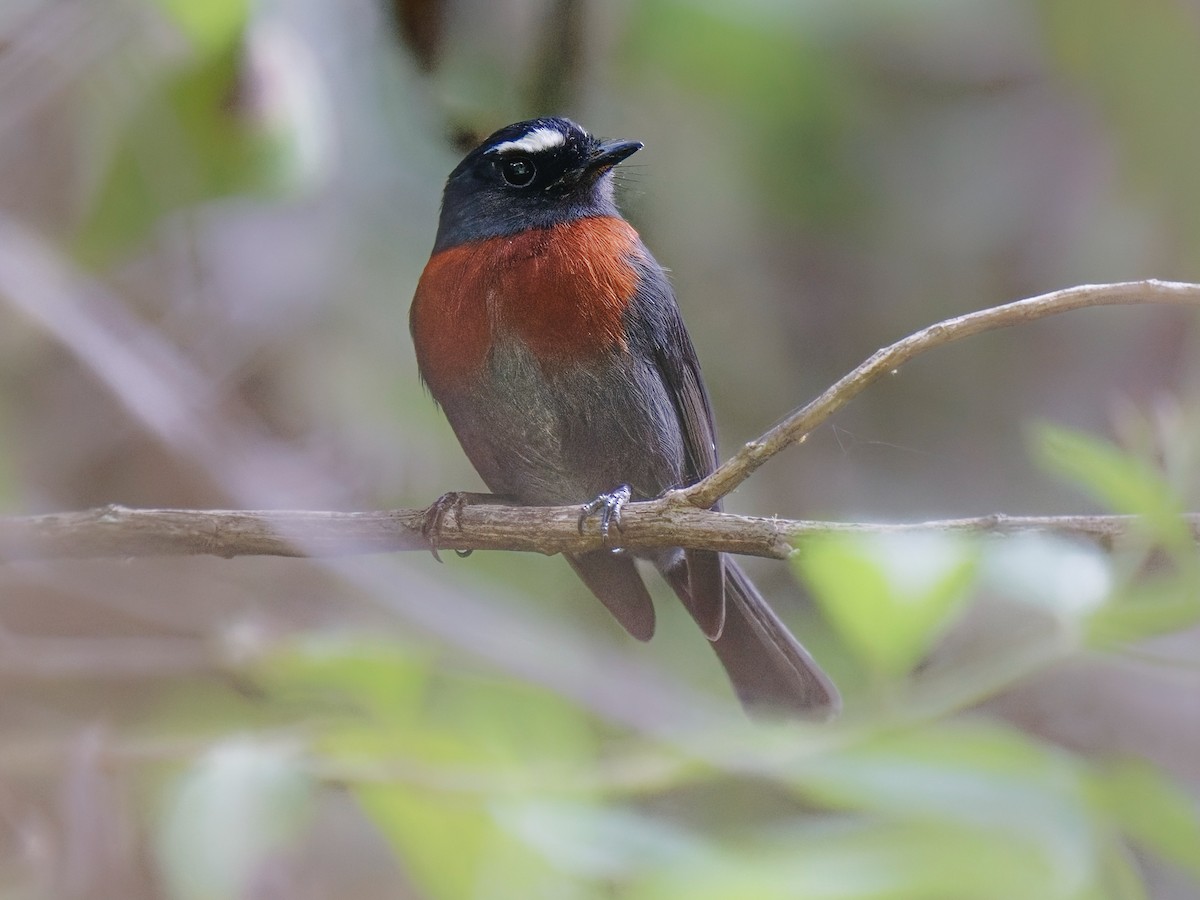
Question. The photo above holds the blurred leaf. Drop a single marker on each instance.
(1117, 480)
(238, 117)
(977, 776)
(853, 859)
(970, 773)
(395, 697)
(239, 803)
(891, 596)
(214, 25)
(448, 746)
(440, 820)
(370, 676)
(448, 844)
(1154, 811)
(1120, 879)
(1150, 607)
(597, 841)
(1154, 603)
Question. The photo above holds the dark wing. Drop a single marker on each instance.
(670, 346)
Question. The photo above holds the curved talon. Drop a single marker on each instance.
(435, 517)
(609, 506)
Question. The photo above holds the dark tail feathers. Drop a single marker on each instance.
(772, 674)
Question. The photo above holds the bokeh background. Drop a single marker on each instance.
(213, 214)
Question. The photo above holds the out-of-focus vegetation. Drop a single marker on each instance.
(212, 217)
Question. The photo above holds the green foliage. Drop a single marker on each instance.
(486, 788)
(998, 788)
(490, 789)
(1152, 811)
(205, 126)
(1162, 571)
(1118, 481)
(213, 26)
(448, 750)
(889, 597)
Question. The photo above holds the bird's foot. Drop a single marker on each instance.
(443, 506)
(609, 506)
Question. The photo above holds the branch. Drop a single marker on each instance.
(680, 518)
(119, 532)
(798, 425)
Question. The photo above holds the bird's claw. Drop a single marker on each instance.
(609, 506)
(435, 518)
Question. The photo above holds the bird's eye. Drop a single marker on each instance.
(518, 172)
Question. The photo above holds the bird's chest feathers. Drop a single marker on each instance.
(561, 293)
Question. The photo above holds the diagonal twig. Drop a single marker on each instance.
(804, 420)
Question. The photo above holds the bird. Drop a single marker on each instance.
(552, 341)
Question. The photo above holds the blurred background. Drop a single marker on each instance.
(213, 214)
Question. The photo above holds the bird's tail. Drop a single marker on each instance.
(770, 670)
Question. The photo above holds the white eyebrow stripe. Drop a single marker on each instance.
(537, 140)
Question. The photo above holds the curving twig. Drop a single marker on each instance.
(804, 420)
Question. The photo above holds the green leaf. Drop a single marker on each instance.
(448, 746)
(383, 680)
(1148, 608)
(448, 844)
(1118, 481)
(482, 742)
(1158, 814)
(213, 25)
(1130, 485)
(971, 774)
(235, 117)
(851, 858)
(1121, 878)
(890, 597)
(599, 841)
(964, 810)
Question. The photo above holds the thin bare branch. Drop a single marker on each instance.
(886, 361)
(119, 532)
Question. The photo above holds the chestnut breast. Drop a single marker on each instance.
(561, 291)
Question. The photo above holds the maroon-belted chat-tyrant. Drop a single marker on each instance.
(552, 341)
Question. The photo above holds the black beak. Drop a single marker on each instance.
(610, 153)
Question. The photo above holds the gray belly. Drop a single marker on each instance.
(566, 437)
